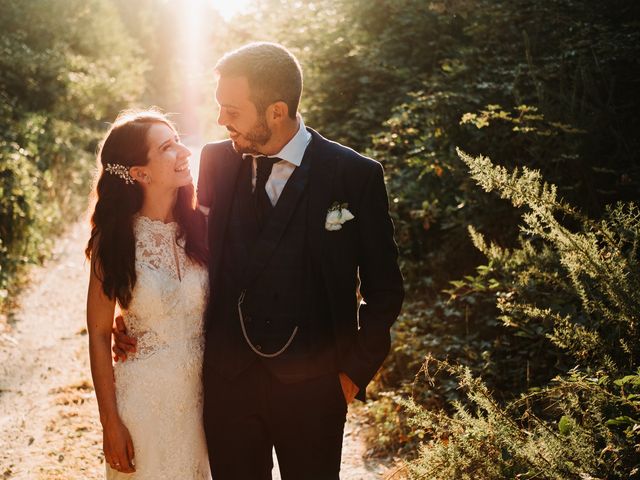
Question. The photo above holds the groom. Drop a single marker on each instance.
(297, 224)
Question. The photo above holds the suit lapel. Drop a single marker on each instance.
(321, 194)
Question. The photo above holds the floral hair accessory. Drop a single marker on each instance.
(120, 171)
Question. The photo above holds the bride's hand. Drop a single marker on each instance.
(122, 343)
(118, 446)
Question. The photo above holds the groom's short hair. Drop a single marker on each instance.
(272, 71)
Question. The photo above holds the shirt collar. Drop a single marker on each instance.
(293, 151)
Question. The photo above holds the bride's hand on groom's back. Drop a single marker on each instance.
(122, 343)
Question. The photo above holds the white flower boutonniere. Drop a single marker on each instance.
(337, 215)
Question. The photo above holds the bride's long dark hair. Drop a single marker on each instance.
(111, 247)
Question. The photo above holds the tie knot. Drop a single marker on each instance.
(264, 165)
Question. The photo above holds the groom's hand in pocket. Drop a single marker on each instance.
(349, 389)
(122, 343)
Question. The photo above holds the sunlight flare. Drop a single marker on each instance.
(229, 9)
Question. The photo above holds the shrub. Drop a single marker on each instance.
(584, 423)
(61, 76)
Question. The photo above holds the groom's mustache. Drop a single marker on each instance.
(232, 130)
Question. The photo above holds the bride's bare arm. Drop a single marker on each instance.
(118, 447)
(100, 311)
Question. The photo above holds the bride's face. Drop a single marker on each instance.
(248, 129)
(168, 166)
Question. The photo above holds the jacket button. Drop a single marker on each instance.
(268, 322)
(259, 347)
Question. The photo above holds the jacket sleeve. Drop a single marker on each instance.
(381, 284)
(205, 178)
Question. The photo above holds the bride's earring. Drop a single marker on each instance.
(140, 175)
(144, 178)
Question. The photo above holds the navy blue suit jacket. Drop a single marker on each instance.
(361, 255)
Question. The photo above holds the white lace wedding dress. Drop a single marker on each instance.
(159, 388)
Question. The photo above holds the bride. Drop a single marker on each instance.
(148, 255)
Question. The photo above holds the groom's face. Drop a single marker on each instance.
(248, 128)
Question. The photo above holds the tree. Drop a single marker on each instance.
(61, 77)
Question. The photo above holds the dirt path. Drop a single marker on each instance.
(48, 414)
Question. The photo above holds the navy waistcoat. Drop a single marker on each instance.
(282, 290)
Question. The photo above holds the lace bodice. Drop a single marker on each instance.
(157, 248)
(170, 294)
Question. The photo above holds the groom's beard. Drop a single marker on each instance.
(257, 137)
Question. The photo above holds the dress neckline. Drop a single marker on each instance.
(160, 223)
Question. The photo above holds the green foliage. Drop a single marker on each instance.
(581, 424)
(62, 75)
(600, 260)
(357, 64)
(76, 64)
(487, 440)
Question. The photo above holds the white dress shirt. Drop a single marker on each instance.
(291, 155)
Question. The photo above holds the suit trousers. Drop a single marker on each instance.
(247, 416)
